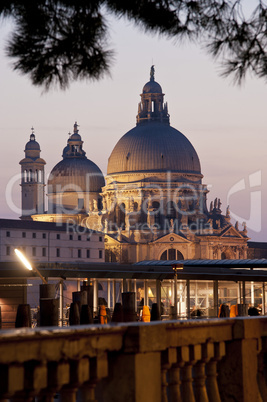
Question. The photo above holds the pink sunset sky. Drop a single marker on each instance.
(226, 124)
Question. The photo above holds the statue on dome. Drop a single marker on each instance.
(152, 73)
(104, 203)
(95, 205)
(106, 226)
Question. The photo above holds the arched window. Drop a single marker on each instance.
(24, 177)
(171, 254)
(30, 175)
(223, 256)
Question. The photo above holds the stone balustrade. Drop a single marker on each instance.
(183, 361)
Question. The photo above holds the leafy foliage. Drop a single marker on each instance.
(57, 41)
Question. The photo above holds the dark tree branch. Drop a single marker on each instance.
(57, 41)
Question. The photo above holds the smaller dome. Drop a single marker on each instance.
(152, 87)
(32, 144)
(73, 174)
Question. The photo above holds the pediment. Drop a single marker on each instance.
(231, 232)
(172, 238)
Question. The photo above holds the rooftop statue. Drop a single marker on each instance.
(152, 73)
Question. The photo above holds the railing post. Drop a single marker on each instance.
(237, 372)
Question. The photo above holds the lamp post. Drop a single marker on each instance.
(28, 265)
(176, 267)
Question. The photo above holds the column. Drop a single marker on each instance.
(215, 298)
(114, 292)
(244, 291)
(108, 291)
(158, 294)
(263, 299)
(61, 303)
(188, 298)
(95, 295)
(252, 293)
(145, 293)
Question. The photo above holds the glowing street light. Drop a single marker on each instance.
(28, 265)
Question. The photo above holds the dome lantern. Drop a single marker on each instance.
(74, 146)
(152, 108)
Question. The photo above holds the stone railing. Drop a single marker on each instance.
(188, 361)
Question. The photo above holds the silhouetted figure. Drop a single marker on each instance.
(253, 311)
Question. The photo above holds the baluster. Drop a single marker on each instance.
(79, 374)
(12, 380)
(187, 386)
(87, 392)
(168, 357)
(212, 384)
(199, 383)
(174, 383)
(35, 380)
(164, 383)
(207, 352)
(46, 397)
(68, 394)
(187, 379)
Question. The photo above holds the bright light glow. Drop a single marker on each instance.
(23, 259)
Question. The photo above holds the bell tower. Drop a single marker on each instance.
(32, 180)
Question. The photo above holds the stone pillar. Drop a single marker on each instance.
(141, 376)
(108, 291)
(95, 295)
(188, 298)
(238, 369)
(215, 298)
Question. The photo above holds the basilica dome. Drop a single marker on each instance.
(153, 145)
(75, 172)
